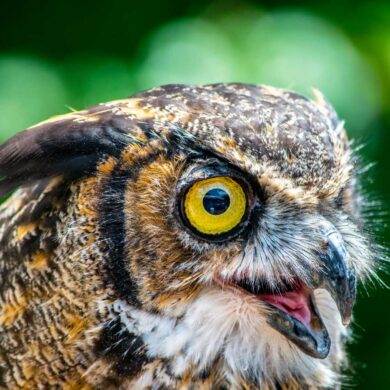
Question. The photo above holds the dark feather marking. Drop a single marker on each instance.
(2, 377)
(112, 225)
(112, 218)
(125, 349)
(58, 148)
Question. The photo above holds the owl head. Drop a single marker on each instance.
(230, 216)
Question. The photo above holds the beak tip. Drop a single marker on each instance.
(346, 314)
(346, 321)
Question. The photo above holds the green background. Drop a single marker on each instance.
(56, 56)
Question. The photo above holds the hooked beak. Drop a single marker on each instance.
(339, 281)
(293, 310)
(336, 278)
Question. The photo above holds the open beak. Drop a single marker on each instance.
(335, 277)
(293, 310)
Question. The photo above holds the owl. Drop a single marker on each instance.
(188, 237)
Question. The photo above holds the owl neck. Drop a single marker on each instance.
(154, 351)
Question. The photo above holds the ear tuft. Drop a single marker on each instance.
(64, 146)
(326, 108)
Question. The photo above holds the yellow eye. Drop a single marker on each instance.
(215, 206)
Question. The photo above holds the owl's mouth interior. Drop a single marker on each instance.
(292, 298)
(293, 312)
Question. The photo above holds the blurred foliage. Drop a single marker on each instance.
(55, 57)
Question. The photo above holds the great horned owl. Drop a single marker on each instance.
(189, 237)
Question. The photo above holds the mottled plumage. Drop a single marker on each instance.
(106, 284)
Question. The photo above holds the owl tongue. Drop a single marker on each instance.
(294, 303)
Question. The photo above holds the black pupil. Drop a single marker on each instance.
(216, 201)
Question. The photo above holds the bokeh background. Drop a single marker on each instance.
(57, 56)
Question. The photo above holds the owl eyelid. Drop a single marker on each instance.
(212, 165)
(207, 169)
(232, 170)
